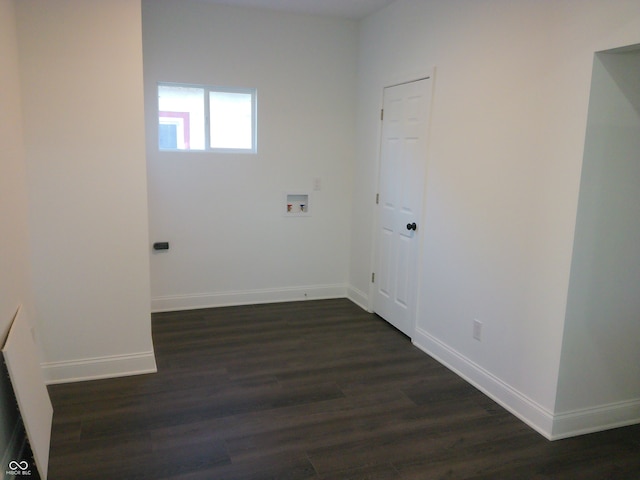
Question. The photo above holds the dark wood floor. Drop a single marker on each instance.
(309, 390)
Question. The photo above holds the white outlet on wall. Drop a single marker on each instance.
(477, 329)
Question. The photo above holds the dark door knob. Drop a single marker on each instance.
(412, 226)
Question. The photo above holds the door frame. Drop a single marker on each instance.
(393, 81)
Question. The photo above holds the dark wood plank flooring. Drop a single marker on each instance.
(307, 390)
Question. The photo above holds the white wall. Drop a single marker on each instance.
(600, 364)
(507, 133)
(15, 286)
(81, 74)
(223, 214)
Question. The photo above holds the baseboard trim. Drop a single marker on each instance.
(596, 419)
(527, 410)
(359, 298)
(172, 303)
(99, 367)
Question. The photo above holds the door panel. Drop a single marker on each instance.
(384, 277)
(401, 189)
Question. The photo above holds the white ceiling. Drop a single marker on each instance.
(353, 9)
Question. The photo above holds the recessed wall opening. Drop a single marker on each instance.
(599, 366)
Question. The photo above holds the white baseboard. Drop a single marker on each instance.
(552, 426)
(359, 298)
(99, 367)
(247, 297)
(527, 410)
(596, 419)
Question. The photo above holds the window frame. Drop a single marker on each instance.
(207, 89)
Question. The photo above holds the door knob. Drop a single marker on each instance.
(412, 226)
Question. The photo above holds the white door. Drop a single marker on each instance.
(401, 188)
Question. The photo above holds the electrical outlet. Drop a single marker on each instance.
(477, 329)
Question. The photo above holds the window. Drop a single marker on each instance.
(217, 119)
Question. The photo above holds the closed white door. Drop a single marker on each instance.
(401, 191)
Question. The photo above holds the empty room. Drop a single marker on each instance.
(255, 239)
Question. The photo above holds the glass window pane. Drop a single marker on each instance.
(181, 110)
(168, 136)
(231, 123)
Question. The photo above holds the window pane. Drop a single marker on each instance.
(168, 136)
(231, 123)
(181, 110)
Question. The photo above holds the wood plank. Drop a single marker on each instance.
(307, 390)
(23, 363)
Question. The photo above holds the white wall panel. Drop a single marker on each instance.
(223, 213)
(600, 364)
(15, 279)
(81, 78)
(509, 112)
